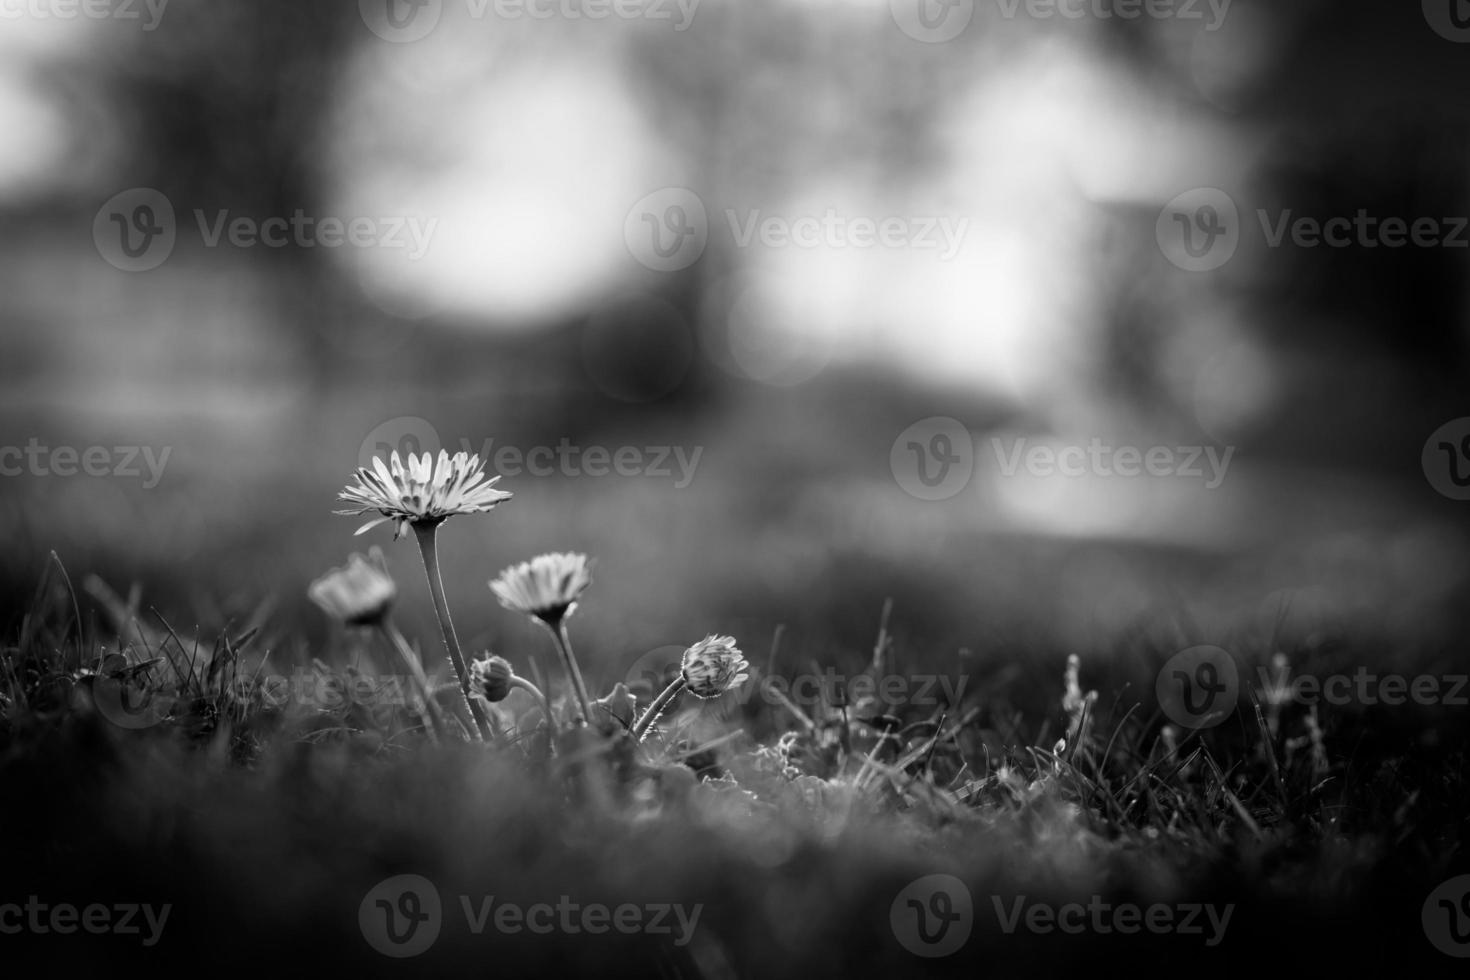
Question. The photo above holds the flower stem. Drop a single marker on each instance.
(535, 692)
(660, 703)
(579, 687)
(428, 548)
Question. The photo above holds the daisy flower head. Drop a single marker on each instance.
(358, 594)
(426, 491)
(547, 586)
(713, 666)
(491, 678)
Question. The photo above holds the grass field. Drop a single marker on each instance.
(782, 829)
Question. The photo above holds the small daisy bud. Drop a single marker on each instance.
(491, 678)
(713, 666)
(358, 595)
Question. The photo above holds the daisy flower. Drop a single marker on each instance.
(422, 496)
(713, 666)
(358, 594)
(709, 668)
(546, 587)
(426, 491)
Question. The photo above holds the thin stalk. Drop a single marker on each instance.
(659, 705)
(579, 687)
(416, 671)
(535, 692)
(428, 549)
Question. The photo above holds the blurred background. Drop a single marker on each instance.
(271, 238)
